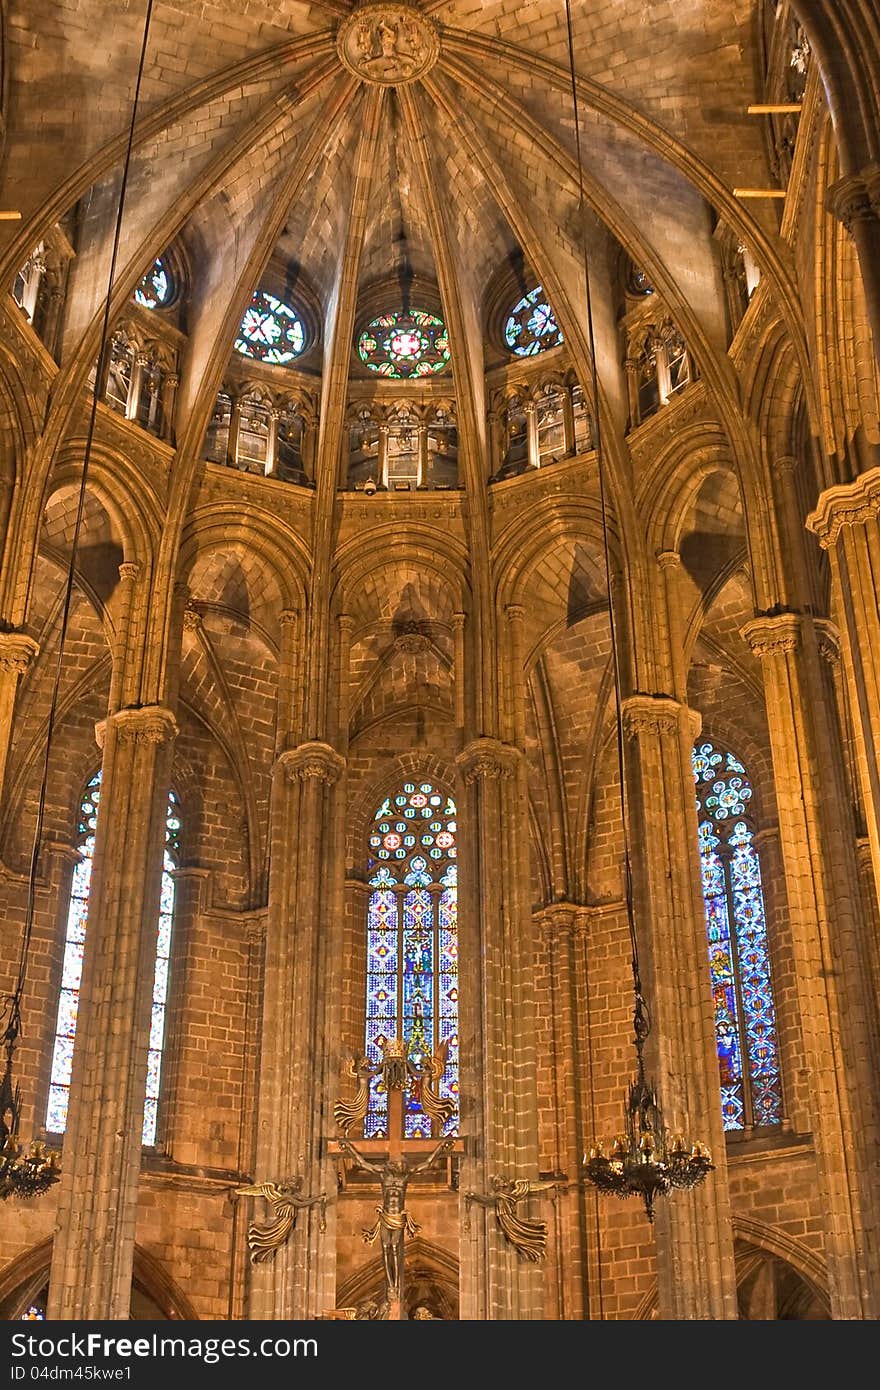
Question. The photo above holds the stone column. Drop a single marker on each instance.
(294, 1113)
(382, 458)
(170, 384)
(459, 623)
(422, 465)
(855, 201)
(17, 651)
(847, 522)
(271, 469)
(568, 422)
(97, 1202)
(564, 926)
(234, 429)
(141, 360)
(129, 572)
(531, 413)
(696, 1275)
(498, 1102)
(832, 960)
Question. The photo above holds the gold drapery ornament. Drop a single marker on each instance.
(265, 1238)
(528, 1236)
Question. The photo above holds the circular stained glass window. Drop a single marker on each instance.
(157, 287)
(270, 331)
(403, 345)
(531, 325)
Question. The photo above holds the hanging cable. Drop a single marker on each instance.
(13, 1002)
(600, 468)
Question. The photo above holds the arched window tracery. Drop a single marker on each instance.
(405, 344)
(739, 957)
(71, 970)
(270, 331)
(531, 325)
(412, 942)
(156, 289)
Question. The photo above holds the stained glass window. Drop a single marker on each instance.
(739, 959)
(405, 344)
(157, 287)
(71, 970)
(412, 943)
(160, 976)
(531, 325)
(270, 330)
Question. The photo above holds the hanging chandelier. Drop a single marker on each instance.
(23, 1173)
(644, 1159)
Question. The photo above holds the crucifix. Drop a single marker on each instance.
(395, 1160)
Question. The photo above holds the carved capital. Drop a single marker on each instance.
(412, 642)
(151, 724)
(828, 640)
(255, 930)
(129, 571)
(487, 757)
(668, 559)
(848, 504)
(288, 617)
(515, 612)
(655, 715)
(785, 466)
(563, 920)
(312, 760)
(773, 636)
(192, 618)
(855, 198)
(17, 651)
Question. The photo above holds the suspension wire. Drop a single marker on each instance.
(600, 462)
(13, 1001)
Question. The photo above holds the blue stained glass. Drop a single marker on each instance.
(71, 977)
(531, 326)
(412, 960)
(739, 961)
(156, 288)
(270, 331)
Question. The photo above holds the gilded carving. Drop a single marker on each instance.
(266, 1238)
(389, 45)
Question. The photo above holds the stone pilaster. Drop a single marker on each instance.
(499, 1101)
(696, 1273)
(847, 522)
(817, 840)
(563, 927)
(97, 1203)
(294, 1113)
(17, 651)
(855, 201)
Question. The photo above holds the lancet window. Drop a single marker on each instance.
(739, 956)
(71, 970)
(412, 942)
